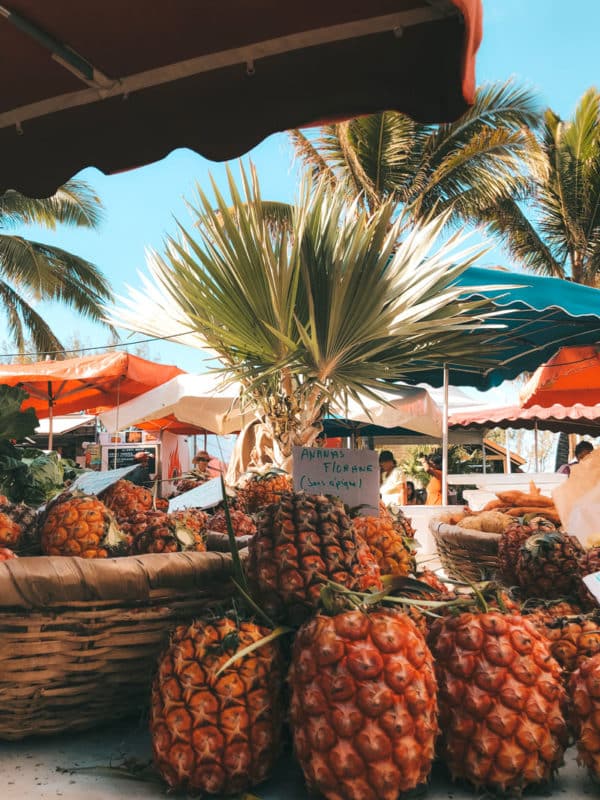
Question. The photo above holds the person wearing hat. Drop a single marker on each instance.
(146, 469)
(200, 469)
(392, 487)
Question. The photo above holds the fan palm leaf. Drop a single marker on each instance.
(335, 308)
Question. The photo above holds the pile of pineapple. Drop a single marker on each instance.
(384, 673)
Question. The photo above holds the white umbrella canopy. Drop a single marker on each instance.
(199, 401)
(412, 407)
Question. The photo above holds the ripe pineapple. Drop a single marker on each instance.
(17, 526)
(501, 700)
(363, 705)
(584, 691)
(588, 563)
(301, 543)
(263, 490)
(572, 639)
(548, 565)
(193, 518)
(125, 499)
(243, 524)
(393, 554)
(157, 532)
(81, 525)
(511, 541)
(211, 732)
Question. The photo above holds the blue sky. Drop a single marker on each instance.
(549, 44)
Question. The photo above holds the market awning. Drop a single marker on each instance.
(570, 419)
(79, 384)
(64, 424)
(117, 85)
(571, 376)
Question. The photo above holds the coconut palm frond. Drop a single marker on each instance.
(23, 319)
(74, 203)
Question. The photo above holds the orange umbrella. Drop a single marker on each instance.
(571, 376)
(79, 384)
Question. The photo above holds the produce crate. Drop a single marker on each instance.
(465, 554)
(79, 639)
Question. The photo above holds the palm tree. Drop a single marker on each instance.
(31, 271)
(559, 233)
(461, 168)
(304, 319)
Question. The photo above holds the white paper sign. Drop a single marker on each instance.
(351, 475)
(593, 584)
(204, 496)
(96, 482)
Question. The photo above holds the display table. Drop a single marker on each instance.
(420, 517)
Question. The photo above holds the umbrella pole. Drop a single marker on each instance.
(445, 440)
(116, 449)
(50, 425)
(508, 465)
(536, 446)
(483, 455)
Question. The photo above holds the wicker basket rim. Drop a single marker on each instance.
(37, 582)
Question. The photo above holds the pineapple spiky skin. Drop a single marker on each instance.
(572, 639)
(393, 555)
(193, 518)
(584, 691)
(157, 532)
(363, 704)
(260, 490)
(218, 734)
(81, 525)
(588, 563)
(18, 527)
(125, 499)
(301, 543)
(243, 524)
(548, 565)
(501, 698)
(509, 546)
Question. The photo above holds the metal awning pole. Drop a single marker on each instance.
(50, 417)
(508, 466)
(445, 439)
(483, 454)
(536, 446)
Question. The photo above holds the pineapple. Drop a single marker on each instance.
(17, 526)
(301, 543)
(501, 700)
(394, 555)
(243, 525)
(548, 566)
(193, 518)
(263, 490)
(81, 525)
(588, 563)
(125, 499)
(584, 690)
(363, 705)
(216, 732)
(572, 639)
(509, 546)
(157, 532)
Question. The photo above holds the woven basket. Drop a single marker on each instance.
(465, 554)
(79, 639)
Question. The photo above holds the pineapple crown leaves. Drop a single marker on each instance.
(540, 543)
(245, 651)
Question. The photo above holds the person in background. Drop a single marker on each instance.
(392, 486)
(200, 463)
(411, 495)
(146, 469)
(582, 450)
(433, 466)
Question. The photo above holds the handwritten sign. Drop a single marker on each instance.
(351, 475)
(96, 482)
(204, 496)
(593, 584)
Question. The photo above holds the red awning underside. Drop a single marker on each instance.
(258, 67)
(570, 419)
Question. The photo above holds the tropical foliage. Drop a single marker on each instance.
(559, 233)
(462, 168)
(32, 271)
(307, 317)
